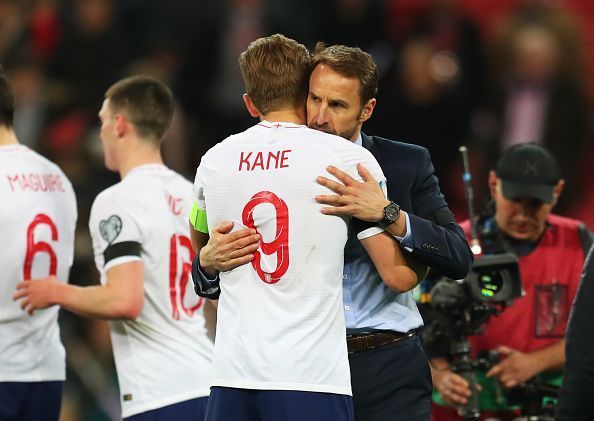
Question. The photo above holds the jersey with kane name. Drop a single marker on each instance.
(164, 355)
(38, 217)
(280, 319)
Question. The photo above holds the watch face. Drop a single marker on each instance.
(391, 212)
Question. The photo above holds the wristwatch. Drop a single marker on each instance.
(391, 214)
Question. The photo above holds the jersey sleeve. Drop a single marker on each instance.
(366, 229)
(115, 232)
(198, 214)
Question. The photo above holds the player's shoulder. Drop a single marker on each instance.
(345, 148)
(34, 160)
(176, 182)
(331, 142)
(178, 178)
(217, 151)
(117, 192)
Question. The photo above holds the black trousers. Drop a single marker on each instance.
(392, 382)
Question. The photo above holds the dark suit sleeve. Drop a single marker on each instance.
(438, 241)
(577, 391)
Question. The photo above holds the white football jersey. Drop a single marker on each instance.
(164, 356)
(38, 217)
(281, 319)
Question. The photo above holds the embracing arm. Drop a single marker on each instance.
(222, 251)
(122, 296)
(398, 271)
(437, 240)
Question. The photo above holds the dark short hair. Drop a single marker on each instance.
(275, 71)
(6, 101)
(351, 62)
(146, 101)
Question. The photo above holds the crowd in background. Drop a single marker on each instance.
(468, 72)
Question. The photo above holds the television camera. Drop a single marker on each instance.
(460, 308)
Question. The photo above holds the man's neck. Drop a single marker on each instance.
(285, 116)
(143, 153)
(7, 136)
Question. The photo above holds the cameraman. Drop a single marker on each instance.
(528, 335)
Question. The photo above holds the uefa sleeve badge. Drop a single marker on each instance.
(110, 228)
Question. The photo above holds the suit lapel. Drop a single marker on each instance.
(369, 144)
(367, 141)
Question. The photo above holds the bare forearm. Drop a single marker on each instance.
(438, 366)
(95, 301)
(207, 266)
(551, 357)
(390, 262)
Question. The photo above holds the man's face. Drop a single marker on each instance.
(522, 218)
(108, 135)
(334, 104)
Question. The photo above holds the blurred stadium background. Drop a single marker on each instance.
(476, 72)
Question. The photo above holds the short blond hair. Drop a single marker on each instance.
(275, 71)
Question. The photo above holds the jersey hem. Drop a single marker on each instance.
(120, 261)
(140, 408)
(369, 232)
(34, 379)
(301, 387)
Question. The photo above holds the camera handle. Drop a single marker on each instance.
(463, 365)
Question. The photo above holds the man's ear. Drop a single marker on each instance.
(367, 110)
(558, 190)
(120, 125)
(250, 106)
(492, 183)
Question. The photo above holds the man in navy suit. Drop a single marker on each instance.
(389, 370)
(390, 373)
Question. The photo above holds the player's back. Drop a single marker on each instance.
(164, 355)
(280, 319)
(38, 218)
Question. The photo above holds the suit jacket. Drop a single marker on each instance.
(575, 397)
(438, 241)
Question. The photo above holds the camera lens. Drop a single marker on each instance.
(490, 283)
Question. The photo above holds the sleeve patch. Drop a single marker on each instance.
(110, 228)
(198, 219)
(125, 248)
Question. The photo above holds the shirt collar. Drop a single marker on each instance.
(276, 124)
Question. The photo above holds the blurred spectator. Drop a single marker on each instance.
(89, 56)
(539, 90)
(356, 23)
(45, 29)
(245, 23)
(433, 88)
(12, 27)
(419, 104)
(61, 54)
(30, 108)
